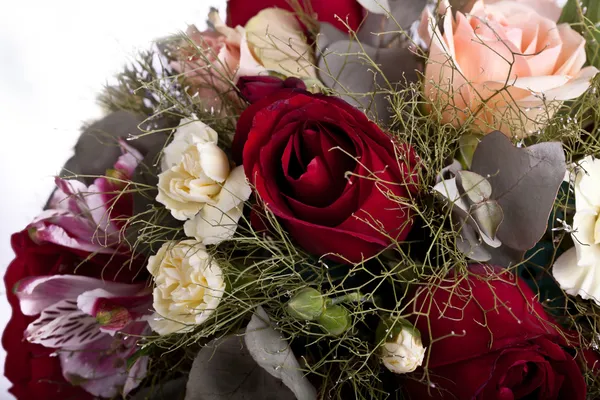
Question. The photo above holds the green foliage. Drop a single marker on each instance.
(584, 17)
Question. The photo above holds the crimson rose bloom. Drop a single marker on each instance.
(255, 88)
(240, 11)
(30, 368)
(504, 346)
(327, 172)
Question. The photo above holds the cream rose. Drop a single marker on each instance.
(578, 269)
(277, 42)
(197, 184)
(506, 64)
(188, 283)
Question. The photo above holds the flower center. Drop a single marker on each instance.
(597, 230)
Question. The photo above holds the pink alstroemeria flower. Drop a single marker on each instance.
(91, 218)
(93, 324)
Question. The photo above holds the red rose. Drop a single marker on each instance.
(30, 368)
(327, 172)
(255, 88)
(34, 373)
(240, 11)
(490, 339)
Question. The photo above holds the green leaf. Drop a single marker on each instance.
(584, 16)
(467, 145)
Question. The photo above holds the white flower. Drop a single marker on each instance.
(189, 285)
(218, 221)
(404, 352)
(190, 131)
(200, 186)
(578, 269)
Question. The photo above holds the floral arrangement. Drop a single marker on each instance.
(367, 199)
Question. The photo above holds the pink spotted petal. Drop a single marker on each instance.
(115, 311)
(63, 325)
(68, 195)
(47, 231)
(129, 161)
(37, 293)
(101, 367)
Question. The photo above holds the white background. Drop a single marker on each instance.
(55, 56)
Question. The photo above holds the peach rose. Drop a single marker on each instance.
(225, 57)
(504, 66)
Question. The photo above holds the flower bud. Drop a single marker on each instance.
(307, 304)
(335, 320)
(402, 352)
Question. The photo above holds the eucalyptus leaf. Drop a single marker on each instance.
(470, 245)
(474, 186)
(467, 145)
(273, 354)
(376, 6)
(172, 390)
(348, 67)
(367, 70)
(489, 216)
(525, 182)
(97, 148)
(224, 369)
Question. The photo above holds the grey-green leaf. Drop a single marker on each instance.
(224, 369)
(348, 67)
(172, 390)
(375, 6)
(525, 182)
(365, 72)
(274, 355)
(474, 186)
(489, 216)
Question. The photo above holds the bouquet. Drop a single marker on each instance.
(370, 199)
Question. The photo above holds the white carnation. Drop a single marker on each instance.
(189, 285)
(190, 131)
(578, 269)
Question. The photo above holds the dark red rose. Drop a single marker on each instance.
(34, 373)
(327, 172)
(240, 11)
(255, 88)
(490, 339)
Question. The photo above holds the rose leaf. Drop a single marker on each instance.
(274, 355)
(525, 182)
(224, 368)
